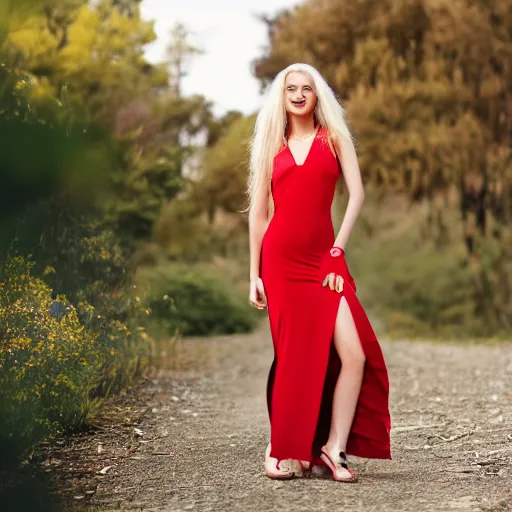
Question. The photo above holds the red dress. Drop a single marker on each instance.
(302, 316)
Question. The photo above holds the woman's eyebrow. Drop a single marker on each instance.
(303, 86)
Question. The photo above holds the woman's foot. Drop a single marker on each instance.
(336, 461)
(285, 472)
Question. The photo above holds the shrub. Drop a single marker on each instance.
(48, 360)
(79, 256)
(193, 301)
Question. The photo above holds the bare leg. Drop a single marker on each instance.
(348, 385)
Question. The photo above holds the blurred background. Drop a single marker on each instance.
(124, 129)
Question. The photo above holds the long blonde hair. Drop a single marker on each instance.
(270, 128)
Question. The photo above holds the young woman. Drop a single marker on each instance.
(327, 391)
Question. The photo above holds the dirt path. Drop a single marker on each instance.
(201, 438)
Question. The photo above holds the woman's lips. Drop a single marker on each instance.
(299, 103)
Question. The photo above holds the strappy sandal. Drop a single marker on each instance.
(334, 467)
(306, 467)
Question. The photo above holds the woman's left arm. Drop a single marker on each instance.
(352, 174)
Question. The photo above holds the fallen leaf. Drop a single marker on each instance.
(104, 470)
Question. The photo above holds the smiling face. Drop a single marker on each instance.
(299, 93)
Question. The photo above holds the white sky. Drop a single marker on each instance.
(231, 37)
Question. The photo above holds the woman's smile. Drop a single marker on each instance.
(300, 95)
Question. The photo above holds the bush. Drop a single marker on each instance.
(413, 285)
(193, 301)
(79, 256)
(48, 360)
(56, 358)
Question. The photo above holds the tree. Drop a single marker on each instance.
(428, 88)
(222, 182)
(179, 53)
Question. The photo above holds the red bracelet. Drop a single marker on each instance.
(336, 251)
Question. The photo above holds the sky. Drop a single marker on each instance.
(230, 35)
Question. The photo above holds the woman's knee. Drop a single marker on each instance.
(352, 355)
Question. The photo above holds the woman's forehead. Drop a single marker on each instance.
(299, 78)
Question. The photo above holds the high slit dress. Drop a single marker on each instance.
(302, 316)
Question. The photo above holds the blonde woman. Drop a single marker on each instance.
(327, 391)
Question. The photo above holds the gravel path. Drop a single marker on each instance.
(202, 436)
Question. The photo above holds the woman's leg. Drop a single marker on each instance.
(348, 385)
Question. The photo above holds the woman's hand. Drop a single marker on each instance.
(335, 282)
(334, 268)
(257, 296)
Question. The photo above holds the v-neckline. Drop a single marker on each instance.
(308, 153)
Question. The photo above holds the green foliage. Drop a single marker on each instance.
(95, 53)
(193, 301)
(57, 354)
(75, 66)
(179, 52)
(223, 179)
(218, 127)
(180, 232)
(140, 195)
(47, 364)
(59, 164)
(423, 290)
(77, 255)
(412, 282)
(97, 145)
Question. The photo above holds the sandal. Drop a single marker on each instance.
(274, 472)
(334, 467)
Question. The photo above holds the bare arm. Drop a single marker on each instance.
(352, 174)
(258, 223)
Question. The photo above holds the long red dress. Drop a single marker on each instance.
(302, 317)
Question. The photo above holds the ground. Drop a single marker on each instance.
(194, 440)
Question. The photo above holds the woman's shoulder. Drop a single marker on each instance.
(325, 138)
(323, 131)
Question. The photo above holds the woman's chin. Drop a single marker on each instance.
(300, 111)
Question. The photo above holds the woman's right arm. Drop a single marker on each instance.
(258, 223)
